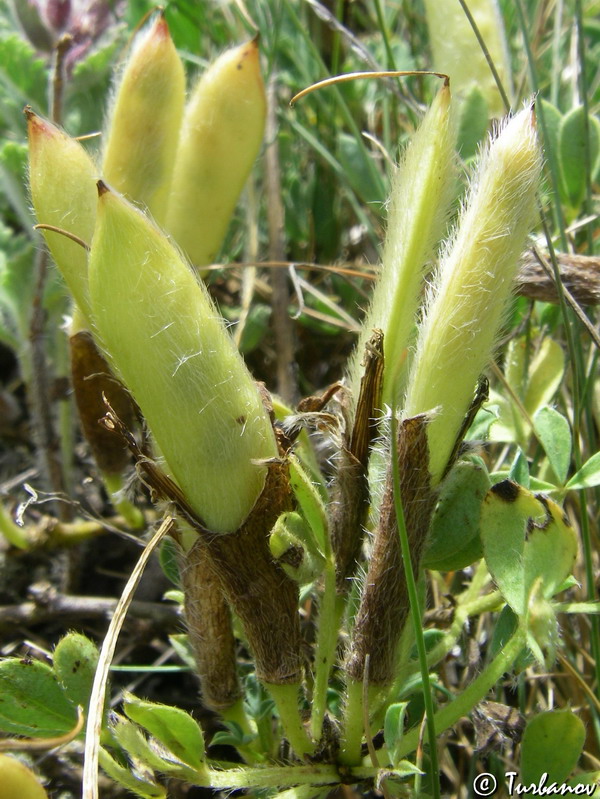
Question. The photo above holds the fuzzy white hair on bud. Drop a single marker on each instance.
(470, 290)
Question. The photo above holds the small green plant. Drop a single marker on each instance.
(254, 525)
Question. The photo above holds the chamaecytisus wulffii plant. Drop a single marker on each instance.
(256, 527)
(164, 155)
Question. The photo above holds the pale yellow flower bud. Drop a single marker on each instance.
(145, 120)
(166, 341)
(62, 178)
(220, 139)
(473, 284)
(421, 192)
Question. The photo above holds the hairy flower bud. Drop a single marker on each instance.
(420, 195)
(62, 179)
(457, 52)
(167, 342)
(144, 124)
(221, 134)
(468, 298)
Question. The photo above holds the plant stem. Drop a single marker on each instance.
(284, 776)
(472, 695)
(283, 326)
(15, 535)
(331, 608)
(39, 393)
(353, 725)
(415, 610)
(66, 430)
(286, 701)
(476, 607)
(467, 607)
(114, 484)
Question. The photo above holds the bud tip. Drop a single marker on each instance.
(249, 50)
(161, 28)
(102, 188)
(533, 115)
(36, 125)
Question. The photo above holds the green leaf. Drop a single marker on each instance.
(310, 501)
(393, 729)
(554, 434)
(454, 540)
(32, 702)
(535, 484)
(291, 534)
(504, 629)
(168, 557)
(232, 736)
(75, 660)
(528, 544)
(519, 470)
(144, 788)
(587, 778)
(550, 550)
(129, 736)
(588, 476)
(131, 739)
(259, 704)
(403, 769)
(572, 138)
(173, 727)
(552, 744)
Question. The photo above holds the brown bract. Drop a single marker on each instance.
(261, 594)
(210, 630)
(91, 379)
(350, 489)
(384, 605)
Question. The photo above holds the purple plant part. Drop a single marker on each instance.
(44, 21)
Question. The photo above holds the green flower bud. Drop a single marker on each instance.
(470, 292)
(220, 138)
(420, 196)
(165, 339)
(145, 120)
(293, 547)
(62, 178)
(457, 53)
